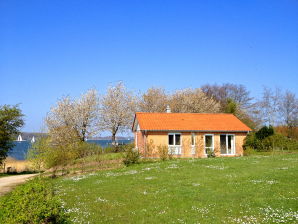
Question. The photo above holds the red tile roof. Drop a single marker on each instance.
(190, 122)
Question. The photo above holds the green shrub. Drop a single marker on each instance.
(270, 143)
(132, 156)
(249, 151)
(210, 154)
(85, 149)
(118, 148)
(33, 202)
(264, 132)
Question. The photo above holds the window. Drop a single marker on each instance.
(193, 139)
(209, 144)
(171, 139)
(227, 144)
(174, 140)
(193, 142)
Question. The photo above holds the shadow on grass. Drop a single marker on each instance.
(17, 173)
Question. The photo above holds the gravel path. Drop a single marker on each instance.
(8, 183)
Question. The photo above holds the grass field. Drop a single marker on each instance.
(254, 189)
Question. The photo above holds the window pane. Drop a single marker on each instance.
(208, 141)
(171, 139)
(223, 144)
(177, 139)
(230, 143)
(192, 139)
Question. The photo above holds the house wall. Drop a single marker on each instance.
(140, 141)
(149, 143)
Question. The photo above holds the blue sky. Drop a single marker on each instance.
(53, 48)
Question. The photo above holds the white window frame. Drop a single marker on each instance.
(177, 148)
(233, 145)
(193, 146)
(212, 135)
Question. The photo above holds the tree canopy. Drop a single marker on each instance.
(11, 120)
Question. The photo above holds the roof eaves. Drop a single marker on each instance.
(167, 130)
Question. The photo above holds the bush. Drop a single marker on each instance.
(132, 157)
(163, 152)
(270, 143)
(249, 151)
(264, 132)
(118, 148)
(84, 149)
(33, 202)
(210, 154)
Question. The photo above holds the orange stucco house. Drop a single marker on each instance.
(189, 134)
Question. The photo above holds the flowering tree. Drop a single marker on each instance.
(117, 108)
(193, 101)
(78, 116)
(154, 100)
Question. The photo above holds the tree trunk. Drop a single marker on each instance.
(113, 138)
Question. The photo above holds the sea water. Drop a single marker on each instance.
(20, 149)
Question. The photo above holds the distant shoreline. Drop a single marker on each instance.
(27, 136)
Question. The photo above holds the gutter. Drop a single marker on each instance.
(157, 130)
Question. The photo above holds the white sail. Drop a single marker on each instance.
(33, 140)
(20, 138)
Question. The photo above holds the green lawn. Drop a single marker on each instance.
(255, 189)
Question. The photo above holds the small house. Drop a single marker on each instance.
(188, 135)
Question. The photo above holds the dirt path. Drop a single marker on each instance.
(8, 183)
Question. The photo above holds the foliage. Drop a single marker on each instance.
(117, 110)
(289, 112)
(154, 100)
(210, 154)
(11, 120)
(33, 202)
(85, 149)
(228, 91)
(75, 116)
(279, 108)
(163, 152)
(44, 154)
(284, 130)
(249, 151)
(264, 132)
(47, 155)
(180, 101)
(192, 101)
(231, 106)
(270, 142)
(118, 148)
(234, 99)
(132, 157)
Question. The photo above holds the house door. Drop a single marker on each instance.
(227, 144)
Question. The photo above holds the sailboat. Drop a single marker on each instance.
(20, 139)
(33, 140)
